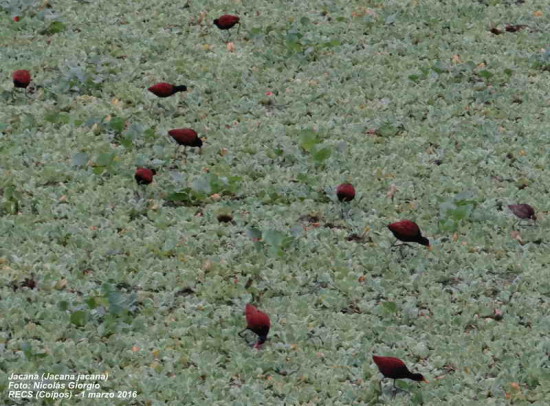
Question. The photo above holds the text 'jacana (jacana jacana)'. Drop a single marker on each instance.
(186, 137)
(226, 21)
(144, 176)
(408, 231)
(21, 78)
(394, 368)
(258, 322)
(523, 211)
(345, 192)
(164, 89)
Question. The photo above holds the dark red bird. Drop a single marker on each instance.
(394, 368)
(523, 211)
(226, 21)
(21, 78)
(186, 137)
(345, 192)
(144, 176)
(16, 19)
(164, 89)
(258, 322)
(408, 231)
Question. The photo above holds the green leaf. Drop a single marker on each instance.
(181, 196)
(391, 19)
(294, 46)
(331, 44)
(391, 307)
(254, 234)
(448, 225)
(150, 133)
(105, 159)
(11, 206)
(440, 67)
(322, 154)
(308, 140)
(27, 350)
(202, 184)
(126, 142)
(79, 318)
(388, 130)
(277, 241)
(116, 302)
(117, 124)
(91, 302)
(80, 159)
(460, 213)
(54, 28)
(485, 74)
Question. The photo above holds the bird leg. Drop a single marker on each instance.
(138, 195)
(395, 245)
(241, 332)
(399, 247)
(243, 337)
(526, 224)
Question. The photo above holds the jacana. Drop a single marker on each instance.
(258, 322)
(226, 21)
(144, 176)
(408, 231)
(523, 211)
(164, 89)
(186, 137)
(394, 368)
(345, 192)
(21, 78)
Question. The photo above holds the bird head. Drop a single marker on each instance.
(424, 241)
(419, 378)
(261, 341)
(216, 21)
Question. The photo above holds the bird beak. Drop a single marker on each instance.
(430, 247)
(425, 380)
